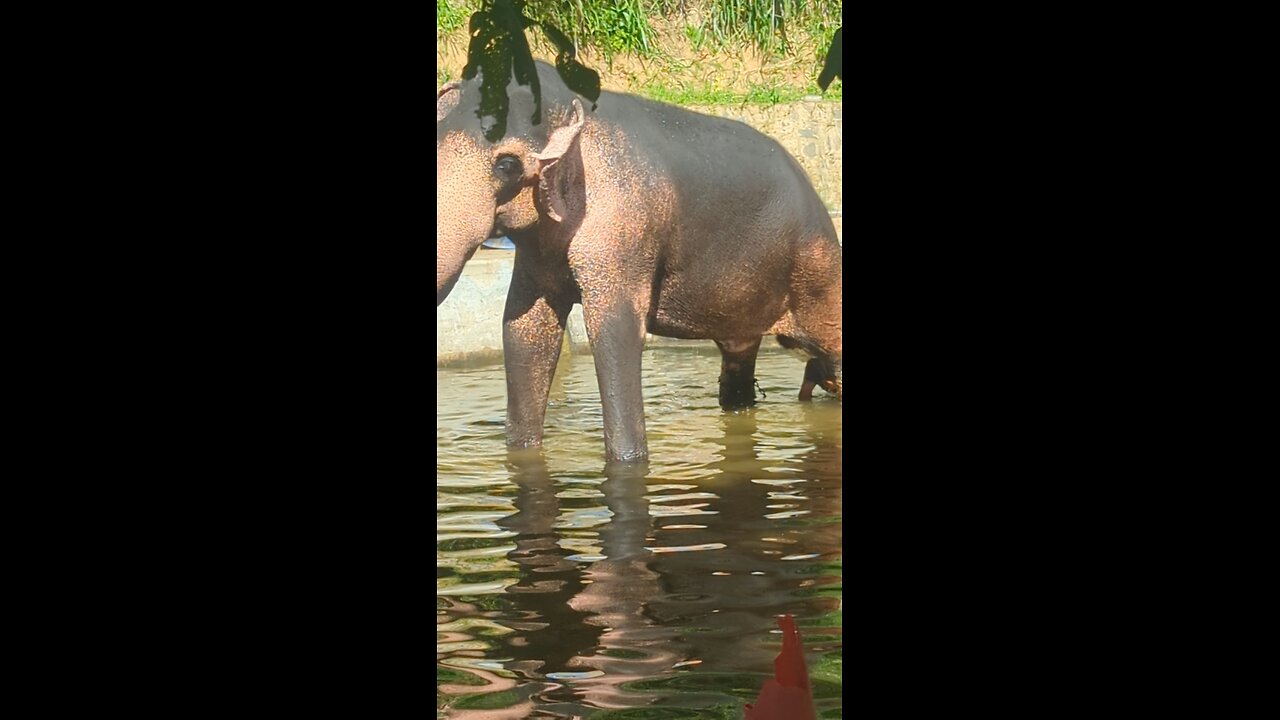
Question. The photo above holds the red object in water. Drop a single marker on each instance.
(787, 696)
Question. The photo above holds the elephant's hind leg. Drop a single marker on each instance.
(816, 306)
(738, 372)
(820, 371)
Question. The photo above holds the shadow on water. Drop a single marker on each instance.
(636, 591)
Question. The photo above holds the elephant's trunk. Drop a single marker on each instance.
(458, 236)
(444, 284)
(449, 268)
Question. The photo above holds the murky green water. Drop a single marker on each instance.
(652, 592)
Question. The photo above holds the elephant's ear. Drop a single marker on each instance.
(447, 98)
(557, 165)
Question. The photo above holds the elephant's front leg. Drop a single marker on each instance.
(532, 332)
(616, 328)
(738, 372)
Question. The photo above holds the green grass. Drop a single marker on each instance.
(772, 27)
(451, 16)
(710, 94)
(612, 27)
(609, 26)
(775, 27)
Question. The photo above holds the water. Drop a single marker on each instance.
(568, 590)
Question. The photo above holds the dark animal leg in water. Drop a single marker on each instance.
(532, 330)
(738, 373)
(819, 373)
(816, 304)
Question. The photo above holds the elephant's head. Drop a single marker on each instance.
(489, 189)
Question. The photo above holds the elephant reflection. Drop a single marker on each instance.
(550, 631)
(583, 631)
(704, 601)
(543, 633)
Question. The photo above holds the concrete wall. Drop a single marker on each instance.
(469, 323)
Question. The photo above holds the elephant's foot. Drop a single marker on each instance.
(737, 393)
(738, 372)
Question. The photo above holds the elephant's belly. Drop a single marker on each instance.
(716, 317)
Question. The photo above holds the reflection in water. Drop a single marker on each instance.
(565, 588)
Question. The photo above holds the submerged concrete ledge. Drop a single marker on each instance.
(469, 323)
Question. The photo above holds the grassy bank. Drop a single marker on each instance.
(686, 52)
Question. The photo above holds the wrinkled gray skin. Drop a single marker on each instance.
(656, 219)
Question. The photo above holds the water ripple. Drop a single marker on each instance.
(564, 588)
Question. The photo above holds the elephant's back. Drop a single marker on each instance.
(730, 182)
(683, 137)
(741, 210)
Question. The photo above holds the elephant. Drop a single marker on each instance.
(656, 219)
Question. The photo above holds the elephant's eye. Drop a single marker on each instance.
(507, 168)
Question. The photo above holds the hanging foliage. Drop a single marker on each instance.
(498, 49)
